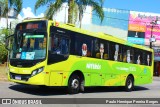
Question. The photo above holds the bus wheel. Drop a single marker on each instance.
(73, 84)
(129, 84)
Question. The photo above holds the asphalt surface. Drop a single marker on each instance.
(13, 90)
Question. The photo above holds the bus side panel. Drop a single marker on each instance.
(93, 70)
(144, 77)
(98, 72)
(56, 78)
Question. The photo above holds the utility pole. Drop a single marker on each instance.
(152, 39)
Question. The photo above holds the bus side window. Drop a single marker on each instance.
(124, 51)
(111, 51)
(59, 45)
(103, 49)
(65, 45)
(120, 53)
(144, 57)
(138, 56)
(132, 55)
(83, 45)
(100, 50)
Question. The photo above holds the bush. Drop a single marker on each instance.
(3, 54)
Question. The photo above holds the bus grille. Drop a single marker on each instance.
(23, 77)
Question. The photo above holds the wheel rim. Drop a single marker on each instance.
(75, 84)
(129, 84)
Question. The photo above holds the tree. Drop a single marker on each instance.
(78, 5)
(9, 4)
(6, 6)
(3, 51)
(3, 54)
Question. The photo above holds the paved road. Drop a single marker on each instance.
(13, 90)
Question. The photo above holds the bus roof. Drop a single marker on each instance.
(93, 34)
(102, 36)
(33, 19)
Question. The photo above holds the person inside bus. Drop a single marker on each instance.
(116, 52)
(128, 56)
(138, 60)
(101, 50)
(84, 49)
(148, 60)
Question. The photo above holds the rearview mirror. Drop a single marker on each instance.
(7, 42)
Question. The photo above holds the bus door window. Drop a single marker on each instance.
(58, 49)
(60, 45)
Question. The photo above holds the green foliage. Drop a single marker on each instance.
(3, 34)
(3, 54)
(76, 8)
(3, 51)
(8, 4)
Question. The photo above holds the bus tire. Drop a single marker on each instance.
(129, 85)
(74, 84)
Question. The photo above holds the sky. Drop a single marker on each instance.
(134, 5)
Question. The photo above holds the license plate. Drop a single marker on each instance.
(18, 77)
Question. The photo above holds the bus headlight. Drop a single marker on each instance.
(37, 71)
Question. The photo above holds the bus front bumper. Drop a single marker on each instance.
(38, 79)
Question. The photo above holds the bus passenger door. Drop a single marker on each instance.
(56, 78)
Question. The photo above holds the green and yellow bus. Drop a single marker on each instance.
(49, 53)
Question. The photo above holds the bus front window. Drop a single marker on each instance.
(29, 46)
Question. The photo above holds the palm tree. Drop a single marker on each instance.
(5, 8)
(74, 5)
(8, 5)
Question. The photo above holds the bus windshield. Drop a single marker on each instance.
(30, 41)
(29, 46)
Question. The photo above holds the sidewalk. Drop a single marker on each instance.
(156, 78)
